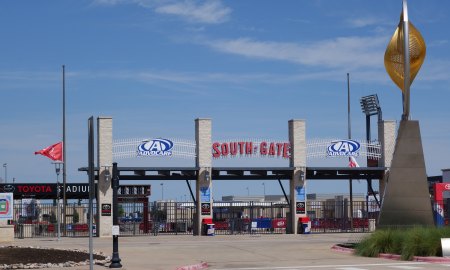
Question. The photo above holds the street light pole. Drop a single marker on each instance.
(64, 173)
(162, 191)
(264, 189)
(5, 165)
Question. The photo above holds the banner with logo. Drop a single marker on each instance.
(205, 194)
(6, 206)
(206, 209)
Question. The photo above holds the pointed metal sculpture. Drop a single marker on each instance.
(401, 49)
(406, 200)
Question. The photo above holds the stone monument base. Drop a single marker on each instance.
(406, 200)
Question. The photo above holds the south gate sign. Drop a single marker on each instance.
(249, 148)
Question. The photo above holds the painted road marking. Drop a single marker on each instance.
(351, 268)
(405, 267)
(346, 267)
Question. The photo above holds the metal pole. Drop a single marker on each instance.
(369, 181)
(57, 202)
(5, 165)
(348, 108)
(91, 187)
(64, 146)
(406, 63)
(162, 191)
(115, 260)
(349, 137)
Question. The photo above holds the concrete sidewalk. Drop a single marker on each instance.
(219, 252)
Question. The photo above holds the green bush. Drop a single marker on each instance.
(416, 241)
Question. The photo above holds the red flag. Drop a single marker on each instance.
(352, 162)
(53, 152)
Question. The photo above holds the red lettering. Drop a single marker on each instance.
(233, 148)
(224, 148)
(216, 151)
(263, 148)
(279, 149)
(286, 150)
(248, 148)
(272, 149)
(241, 147)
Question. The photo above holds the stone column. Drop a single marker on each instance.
(104, 162)
(386, 135)
(297, 184)
(203, 185)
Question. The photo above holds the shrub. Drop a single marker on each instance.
(417, 241)
(381, 241)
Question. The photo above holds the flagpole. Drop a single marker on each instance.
(64, 145)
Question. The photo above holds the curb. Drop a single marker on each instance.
(199, 266)
(430, 259)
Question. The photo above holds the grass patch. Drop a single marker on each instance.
(416, 241)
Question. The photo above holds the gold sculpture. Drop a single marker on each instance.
(404, 57)
(394, 55)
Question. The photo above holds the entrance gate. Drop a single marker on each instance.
(204, 173)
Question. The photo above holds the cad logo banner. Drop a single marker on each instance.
(155, 147)
(343, 148)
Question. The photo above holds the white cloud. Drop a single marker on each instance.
(341, 52)
(196, 11)
(364, 21)
(207, 12)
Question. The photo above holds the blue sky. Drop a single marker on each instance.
(251, 66)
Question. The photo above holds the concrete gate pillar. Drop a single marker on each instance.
(104, 162)
(386, 135)
(297, 184)
(203, 187)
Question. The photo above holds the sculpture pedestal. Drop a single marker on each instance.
(406, 200)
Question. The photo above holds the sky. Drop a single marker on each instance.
(250, 66)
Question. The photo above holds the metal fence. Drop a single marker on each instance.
(249, 217)
(33, 219)
(142, 218)
(36, 219)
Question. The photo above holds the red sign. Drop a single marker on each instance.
(273, 149)
(30, 188)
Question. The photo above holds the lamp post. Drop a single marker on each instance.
(370, 106)
(5, 165)
(58, 217)
(264, 189)
(248, 191)
(162, 191)
(115, 260)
